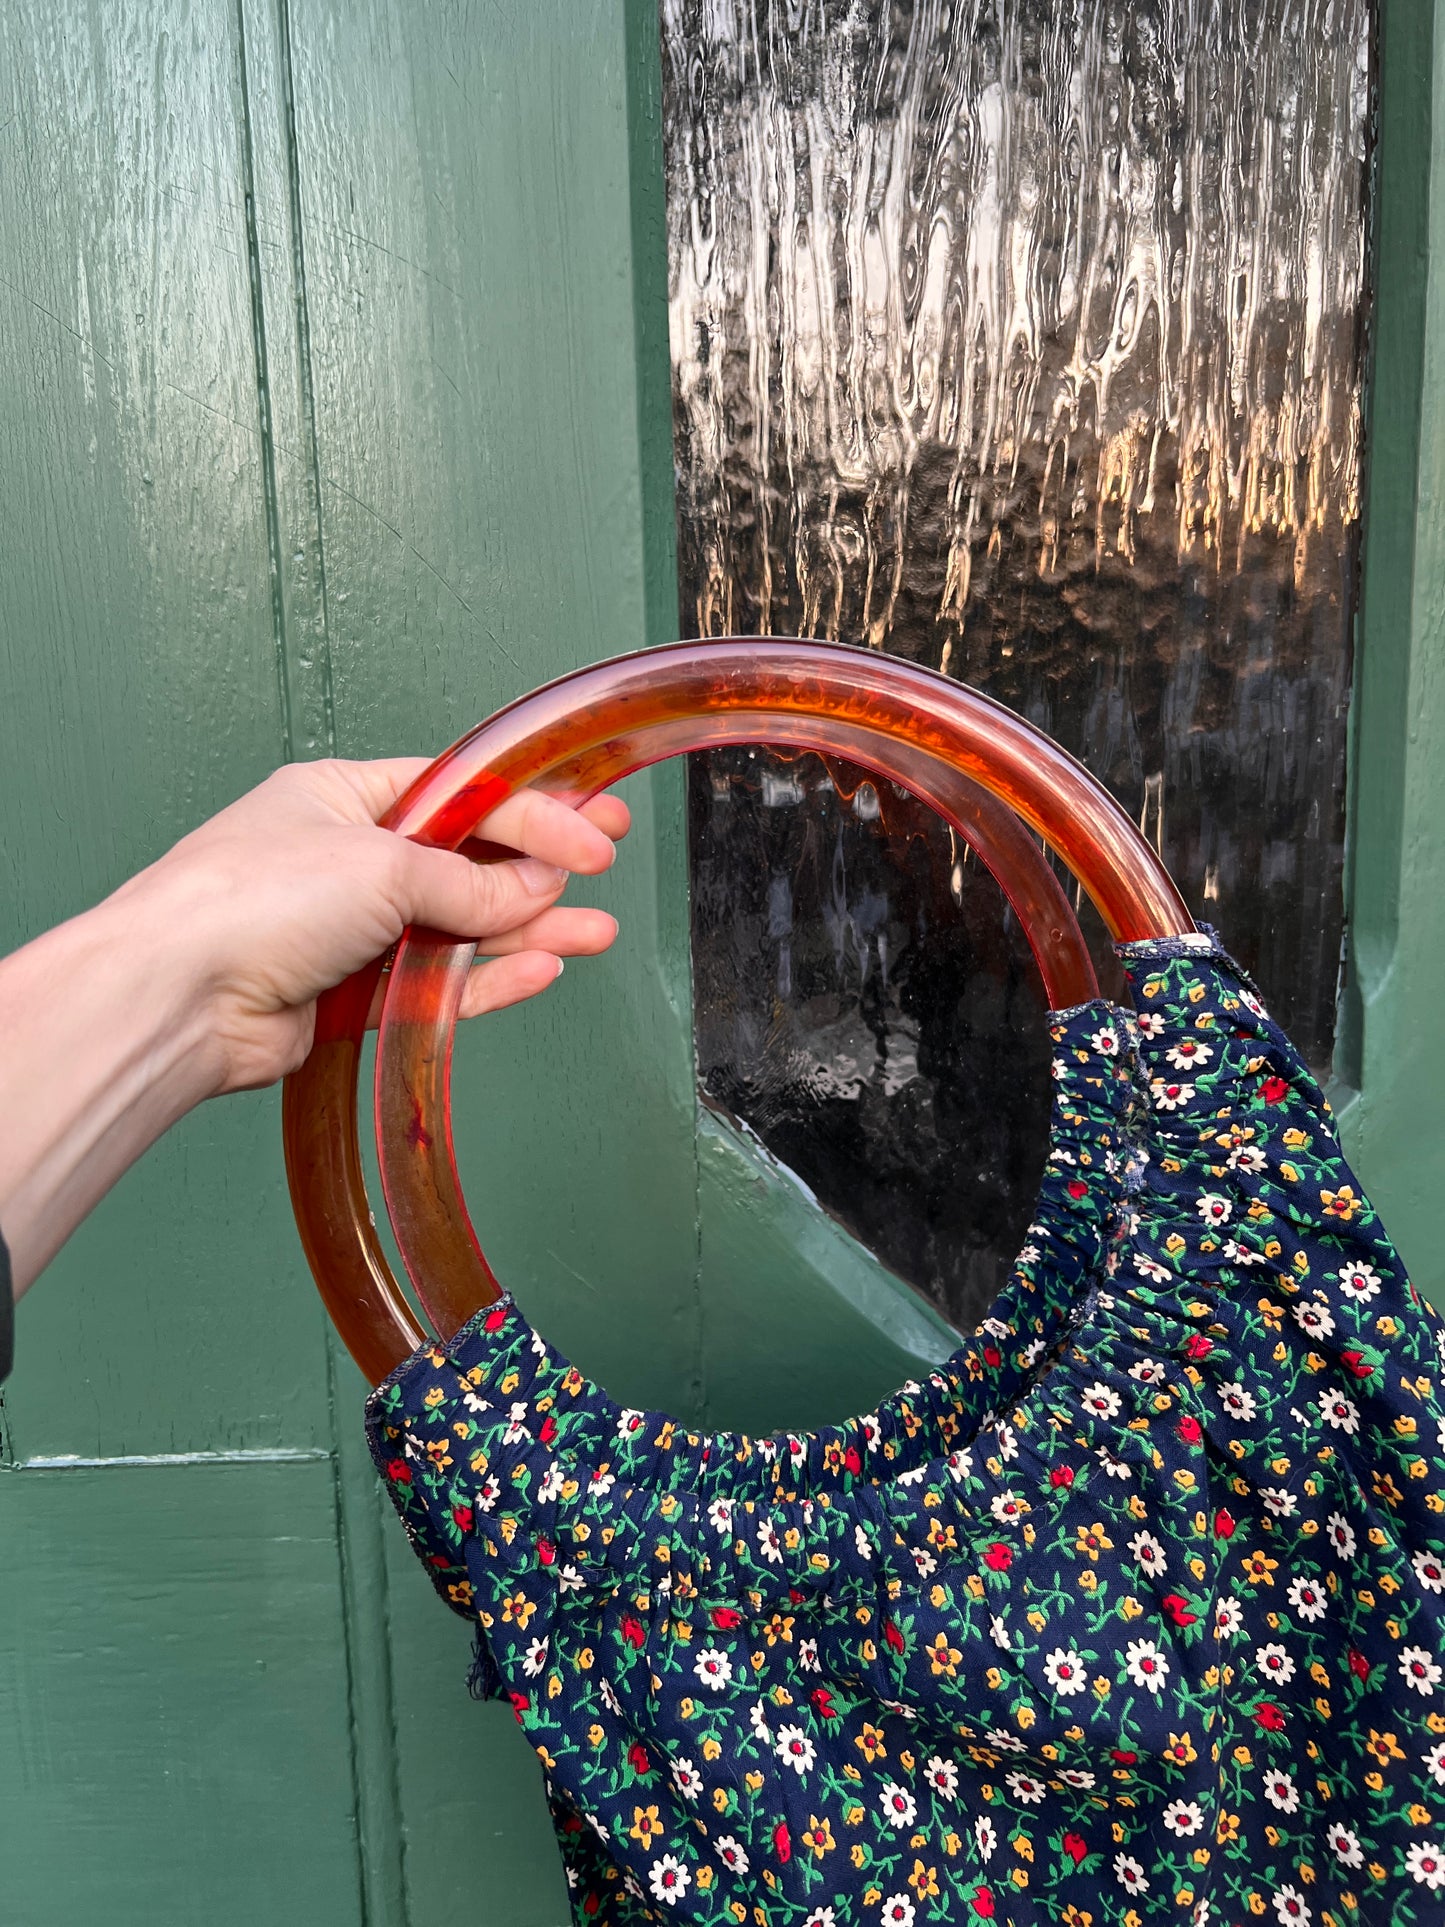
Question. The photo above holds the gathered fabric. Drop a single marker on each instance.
(1131, 1611)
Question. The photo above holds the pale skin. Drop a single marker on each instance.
(200, 975)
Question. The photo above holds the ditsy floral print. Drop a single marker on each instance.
(1131, 1613)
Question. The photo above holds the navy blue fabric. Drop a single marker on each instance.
(1132, 1611)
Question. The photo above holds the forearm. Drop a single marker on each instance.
(104, 1047)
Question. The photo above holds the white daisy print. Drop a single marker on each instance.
(669, 1879)
(795, 1749)
(1169, 1096)
(1065, 1671)
(1275, 1664)
(1281, 1791)
(1341, 1535)
(732, 1853)
(1183, 1818)
(1426, 1864)
(1146, 1665)
(1026, 1788)
(1148, 1553)
(1340, 1412)
(1239, 1403)
(1344, 1845)
(1359, 1283)
(900, 1809)
(1309, 1599)
(1130, 1874)
(1419, 1670)
(713, 1668)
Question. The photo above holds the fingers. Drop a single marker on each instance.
(510, 980)
(566, 933)
(610, 814)
(540, 826)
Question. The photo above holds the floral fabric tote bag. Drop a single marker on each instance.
(1131, 1612)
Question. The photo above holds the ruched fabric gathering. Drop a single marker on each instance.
(1108, 1616)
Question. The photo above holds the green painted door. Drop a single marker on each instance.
(320, 336)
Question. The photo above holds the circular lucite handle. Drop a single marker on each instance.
(952, 747)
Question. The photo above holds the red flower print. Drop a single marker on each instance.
(853, 1459)
(1077, 1188)
(1122, 1758)
(823, 1703)
(1269, 1717)
(546, 1552)
(1177, 1607)
(638, 1759)
(520, 1705)
(462, 1515)
(983, 1903)
(992, 1355)
(398, 1471)
(726, 1617)
(1223, 1524)
(782, 1842)
(998, 1558)
(1075, 1846)
(893, 1637)
(1189, 1430)
(1062, 1475)
(1274, 1090)
(548, 1431)
(495, 1318)
(591, 1904)
(632, 1630)
(1358, 1364)
(1199, 1346)
(1359, 1665)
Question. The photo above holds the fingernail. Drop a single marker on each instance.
(560, 968)
(540, 879)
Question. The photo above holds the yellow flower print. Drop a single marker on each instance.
(779, 1627)
(517, 1610)
(1180, 1750)
(870, 1744)
(461, 1593)
(943, 1657)
(924, 1881)
(646, 1826)
(434, 1397)
(1076, 1917)
(1419, 1816)
(436, 1451)
(1091, 1541)
(1384, 1747)
(1227, 1831)
(1258, 1570)
(819, 1836)
(1342, 1204)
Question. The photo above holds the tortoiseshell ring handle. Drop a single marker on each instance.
(984, 769)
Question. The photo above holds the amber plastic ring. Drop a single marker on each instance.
(950, 746)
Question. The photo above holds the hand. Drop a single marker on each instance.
(201, 974)
(294, 887)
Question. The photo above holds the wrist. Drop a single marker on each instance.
(105, 1048)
